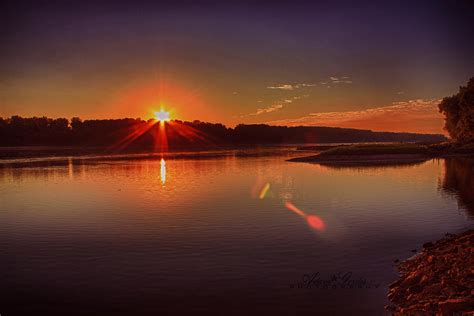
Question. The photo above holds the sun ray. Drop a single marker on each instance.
(191, 133)
(161, 137)
(137, 130)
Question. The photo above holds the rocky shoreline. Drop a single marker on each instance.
(437, 281)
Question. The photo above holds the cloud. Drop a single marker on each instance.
(413, 115)
(305, 85)
(297, 97)
(277, 105)
(282, 87)
(336, 80)
(292, 86)
(269, 109)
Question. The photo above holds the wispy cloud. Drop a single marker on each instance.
(336, 80)
(269, 109)
(277, 105)
(301, 85)
(413, 115)
(332, 80)
(297, 97)
(292, 86)
(282, 87)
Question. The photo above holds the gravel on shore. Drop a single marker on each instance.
(437, 281)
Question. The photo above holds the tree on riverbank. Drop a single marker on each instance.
(141, 134)
(459, 112)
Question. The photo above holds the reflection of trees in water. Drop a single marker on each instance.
(459, 181)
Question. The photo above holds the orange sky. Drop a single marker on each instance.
(287, 106)
(366, 66)
(418, 116)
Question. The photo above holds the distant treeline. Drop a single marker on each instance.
(137, 133)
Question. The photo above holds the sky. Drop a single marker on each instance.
(370, 65)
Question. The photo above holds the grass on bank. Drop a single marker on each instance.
(376, 149)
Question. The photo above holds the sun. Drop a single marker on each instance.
(162, 116)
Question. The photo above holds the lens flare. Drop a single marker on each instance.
(294, 209)
(264, 191)
(313, 221)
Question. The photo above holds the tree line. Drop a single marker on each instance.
(459, 112)
(146, 134)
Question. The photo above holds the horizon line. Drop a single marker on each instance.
(216, 123)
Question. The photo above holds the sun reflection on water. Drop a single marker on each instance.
(163, 171)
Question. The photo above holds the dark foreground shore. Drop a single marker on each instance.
(437, 281)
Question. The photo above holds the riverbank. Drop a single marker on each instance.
(437, 281)
(369, 153)
(395, 152)
(363, 159)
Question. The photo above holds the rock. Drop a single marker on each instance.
(394, 284)
(439, 280)
(427, 306)
(450, 306)
(428, 245)
(424, 279)
(412, 278)
(390, 307)
(433, 290)
(415, 288)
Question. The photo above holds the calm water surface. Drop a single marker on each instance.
(226, 235)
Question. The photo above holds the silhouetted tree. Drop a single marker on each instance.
(459, 112)
(76, 123)
(139, 134)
